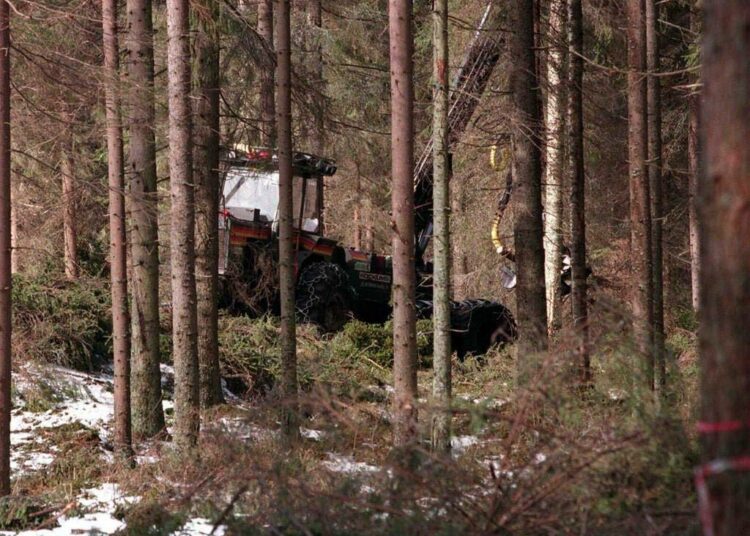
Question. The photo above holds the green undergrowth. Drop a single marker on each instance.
(345, 363)
(62, 322)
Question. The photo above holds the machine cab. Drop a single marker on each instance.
(250, 191)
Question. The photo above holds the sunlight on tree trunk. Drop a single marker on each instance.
(70, 230)
(555, 147)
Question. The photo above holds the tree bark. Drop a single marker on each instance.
(117, 234)
(724, 194)
(578, 192)
(693, 170)
(70, 231)
(289, 420)
(357, 211)
(655, 178)
(640, 205)
(267, 77)
(402, 223)
(527, 230)
(207, 186)
(315, 22)
(555, 147)
(182, 229)
(441, 387)
(148, 415)
(5, 251)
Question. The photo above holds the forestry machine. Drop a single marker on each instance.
(336, 283)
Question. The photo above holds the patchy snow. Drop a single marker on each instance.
(459, 444)
(199, 526)
(346, 464)
(308, 433)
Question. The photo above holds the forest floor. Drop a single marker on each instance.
(545, 460)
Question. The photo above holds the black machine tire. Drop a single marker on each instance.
(324, 296)
(480, 325)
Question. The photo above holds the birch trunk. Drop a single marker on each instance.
(555, 147)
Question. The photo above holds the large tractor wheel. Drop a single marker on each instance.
(481, 325)
(324, 296)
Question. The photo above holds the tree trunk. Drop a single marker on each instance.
(267, 77)
(402, 223)
(207, 185)
(148, 415)
(70, 234)
(117, 235)
(357, 210)
(182, 229)
(315, 22)
(5, 251)
(555, 147)
(289, 421)
(655, 178)
(724, 337)
(578, 191)
(527, 231)
(693, 170)
(441, 387)
(640, 209)
(15, 265)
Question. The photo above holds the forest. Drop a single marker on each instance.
(316, 267)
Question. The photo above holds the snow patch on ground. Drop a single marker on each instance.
(338, 463)
(459, 444)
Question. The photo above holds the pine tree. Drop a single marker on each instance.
(402, 223)
(442, 243)
(117, 233)
(148, 415)
(182, 225)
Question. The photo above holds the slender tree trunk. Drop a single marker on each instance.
(315, 22)
(182, 229)
(14, 256)
(402, 224)
(693, 154)
(653, 65)
(70, 231)
(267, 76)
(5, 250)
(357, 216)
(289, 421)
(207, 185)
(148, 415)
(527, 183)
(369, 233)
(441, 387)
(724, 337)
(117, 235)
(553, 196)
(640, 206)
(578, 191)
